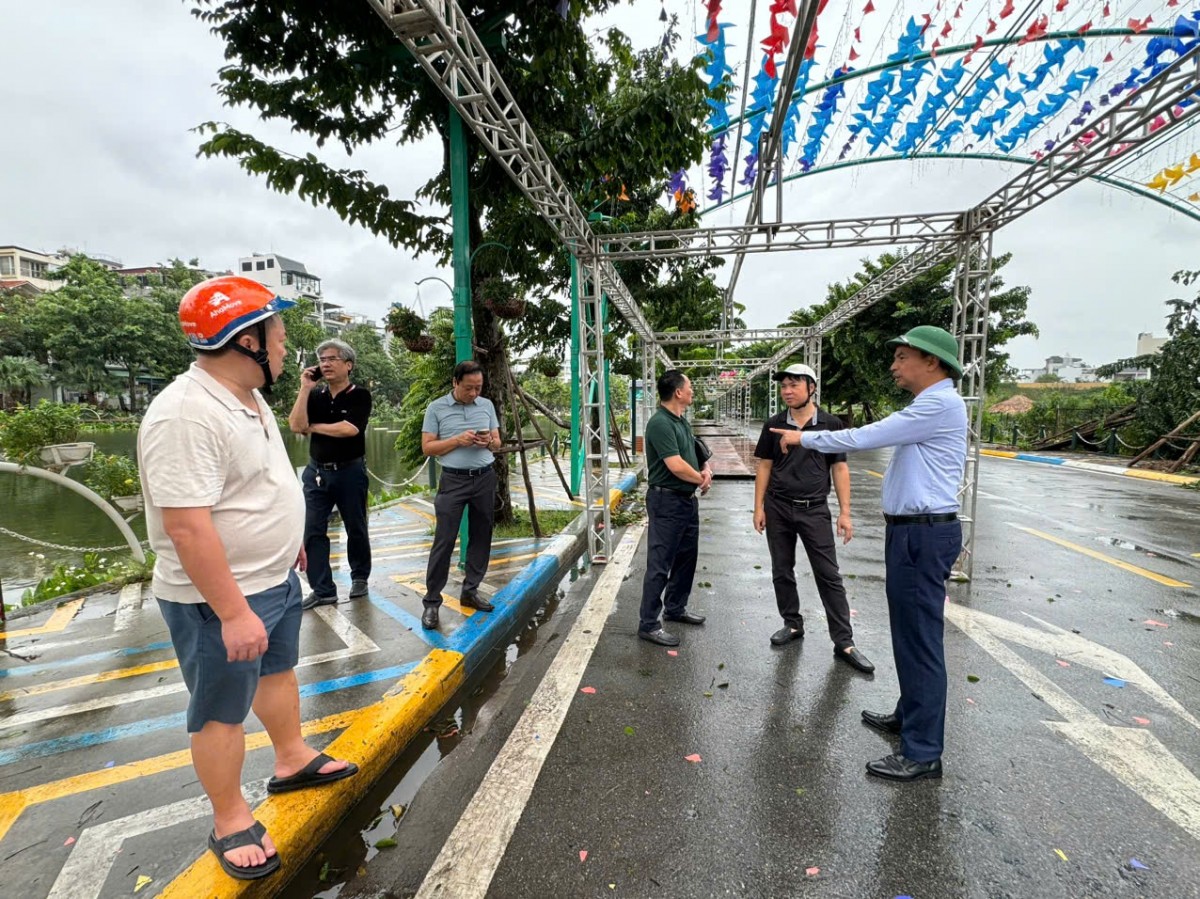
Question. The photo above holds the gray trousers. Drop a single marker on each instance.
(455, 493)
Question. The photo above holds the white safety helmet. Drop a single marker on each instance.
(799, 370)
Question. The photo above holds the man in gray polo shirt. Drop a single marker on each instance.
(461, 429)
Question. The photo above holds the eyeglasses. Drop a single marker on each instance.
(329, 359)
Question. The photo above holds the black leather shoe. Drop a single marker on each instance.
(661, 637)
(312, 601)
(889, 723)
(686, 618)
(429, 618)
(475, 601)
(855, 659)
(786, 635)
(358, 589)
(897, 767)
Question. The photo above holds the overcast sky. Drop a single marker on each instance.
(98, 154)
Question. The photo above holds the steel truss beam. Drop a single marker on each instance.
(770, 154)
(746, 335)
(441, 39)
(889, 230)
(725, 363)
(972, 298)
(594, 412)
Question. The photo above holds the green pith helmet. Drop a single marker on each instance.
(935, 341)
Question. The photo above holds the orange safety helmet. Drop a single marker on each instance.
(214, 310)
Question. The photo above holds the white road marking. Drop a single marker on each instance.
(92, 857)
(357, 643)
(469, 857)
(1133, 756)
(129, 603)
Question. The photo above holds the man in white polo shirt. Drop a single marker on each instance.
(461, 429)
(225, 516)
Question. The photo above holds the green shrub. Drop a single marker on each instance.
(111, 476)
(96, 569)
(24, 432)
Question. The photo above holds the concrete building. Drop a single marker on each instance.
(1148, 344)
(291, 279)
(27, 271)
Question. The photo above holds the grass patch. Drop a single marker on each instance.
(551, 520)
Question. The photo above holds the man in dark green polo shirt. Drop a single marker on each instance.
(674, 532)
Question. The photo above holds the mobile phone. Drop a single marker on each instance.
(482, 432)
(314, 372)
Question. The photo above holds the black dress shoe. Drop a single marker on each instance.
(897, 767)
(686, 618)
(855, 659)
(661, 637)
(358, 589)
(889, 723)
(786, 635)
(475, 601)
(429, 618)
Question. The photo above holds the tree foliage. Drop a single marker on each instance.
(1173, 392)
(855, 358)
(615, 122)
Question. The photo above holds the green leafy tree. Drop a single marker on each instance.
(14, 312)
(1173, 392)
(855, 358)
(89, 326)
(616, 125)
(1047, 378)
(375, 369)
(431, 378)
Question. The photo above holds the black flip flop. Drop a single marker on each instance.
(310, 776)
(251, 836)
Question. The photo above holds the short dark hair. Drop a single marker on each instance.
(946, 369)
(669, 381)
(467, 367)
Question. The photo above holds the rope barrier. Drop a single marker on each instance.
(416, 474)
(73, 549)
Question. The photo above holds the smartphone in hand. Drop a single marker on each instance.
(314, 372)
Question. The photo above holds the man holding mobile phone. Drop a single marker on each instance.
(461, 430)
(335, 417)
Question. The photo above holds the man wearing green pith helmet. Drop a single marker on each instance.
(923, 537)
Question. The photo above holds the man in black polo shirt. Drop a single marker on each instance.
(791, 493)
(335, 417)
(673, 537)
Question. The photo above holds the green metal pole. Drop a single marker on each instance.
(461, 256)
(576, 400)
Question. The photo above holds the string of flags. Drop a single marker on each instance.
(1038, 83)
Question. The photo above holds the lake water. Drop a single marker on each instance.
(44, 511)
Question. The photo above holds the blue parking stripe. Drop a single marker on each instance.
(179, 719)
(83, 660)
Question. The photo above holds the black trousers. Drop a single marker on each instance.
(455, 493)
(812, 524)
(672, 547)
(345, 488)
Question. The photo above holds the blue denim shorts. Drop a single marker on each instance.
(221, 690)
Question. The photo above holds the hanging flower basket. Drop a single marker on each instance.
(501, 298)
(422, 343)
(128, 503)
(545, 365)
(405, 324)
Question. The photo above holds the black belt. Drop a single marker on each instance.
(933, 518)
(673, 490)
(467, 472)
(335, 466)
(802, 503)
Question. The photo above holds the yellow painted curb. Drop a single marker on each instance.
(300, 822)
(1003, 454)
(1159, 476)
(57, 621)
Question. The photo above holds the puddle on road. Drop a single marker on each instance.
(1179, 615)
(353, 846)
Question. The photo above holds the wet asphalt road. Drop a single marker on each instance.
(1057, 783)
